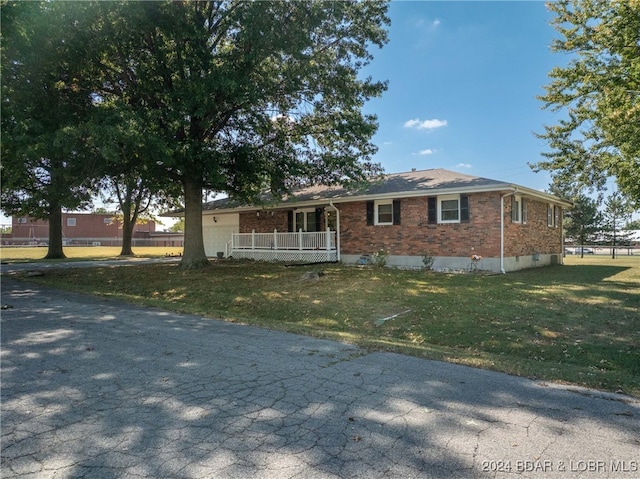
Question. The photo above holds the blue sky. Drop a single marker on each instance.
(463, 80)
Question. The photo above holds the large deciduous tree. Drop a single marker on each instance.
(129, 171)
(246, 95)
(599, 89)
(45, 99)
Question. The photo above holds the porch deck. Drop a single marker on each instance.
(309, 247)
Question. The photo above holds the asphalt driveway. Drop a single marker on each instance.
(100, 389)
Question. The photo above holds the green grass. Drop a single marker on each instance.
(83, 253)
(578, 323)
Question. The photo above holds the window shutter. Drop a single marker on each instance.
(370, 209)
(432, 210)
(396, 212)
(514, 209)
(524, 210)
(319, 212)
(290, 221)
(464, 208)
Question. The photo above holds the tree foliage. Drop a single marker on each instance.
(616, 214)
(600, 91)
(45, 166)
(246, 95)
(583, 221)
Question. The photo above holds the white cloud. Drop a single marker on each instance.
(435, 23)
(426, 124)
(463, 165)
(428, 151)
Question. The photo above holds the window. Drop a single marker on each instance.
(107, 221)
(448, 209)
(553, 216)
(383, 212)
(71, 221)
(307, 220)
(516, 209)
(22, 221)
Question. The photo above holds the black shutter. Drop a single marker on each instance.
(370, 213)
(290, 221)
(514, 209)
(396, 212)
(464, 208)
(319, 212)
(432, 210)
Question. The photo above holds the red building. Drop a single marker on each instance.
(86, 229)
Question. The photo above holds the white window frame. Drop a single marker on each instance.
(441, 199)
(376, 211)
(305, 212)
(517, 210)
(71, 222)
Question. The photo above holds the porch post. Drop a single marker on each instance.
(275, 239)
(300, 239)
(327, 240)
(253, 240)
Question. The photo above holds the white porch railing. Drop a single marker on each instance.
(277, 246)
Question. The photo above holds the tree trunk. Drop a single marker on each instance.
(55, 233)
(193, 255)
(127, 234)
(128, 224)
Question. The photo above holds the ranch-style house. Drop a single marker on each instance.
(457, 220)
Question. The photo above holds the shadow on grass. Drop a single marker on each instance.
(97, 388)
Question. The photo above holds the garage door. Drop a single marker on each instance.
(217, 233)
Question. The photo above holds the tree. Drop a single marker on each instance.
(178, 226)
(600, 91)
(616, 215)
(633, 225)
(45, 166)
(246, 96)
(130, 154)
(583, 220)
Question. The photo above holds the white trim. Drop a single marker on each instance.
(378, 203)
(448, 198)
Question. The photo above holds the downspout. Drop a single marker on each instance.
(502, 229)
(337, 228)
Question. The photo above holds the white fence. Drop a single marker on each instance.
(311, 246)
(324, 240)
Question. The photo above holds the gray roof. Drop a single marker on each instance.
(398, 185)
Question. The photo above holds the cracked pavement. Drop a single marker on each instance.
(102, 389)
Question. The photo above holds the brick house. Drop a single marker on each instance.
(446, 215)
(78, 229)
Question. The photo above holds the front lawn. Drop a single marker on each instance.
(578, 323)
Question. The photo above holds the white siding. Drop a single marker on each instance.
(218, 233)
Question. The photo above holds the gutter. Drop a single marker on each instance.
(337, 227)
(515, 190)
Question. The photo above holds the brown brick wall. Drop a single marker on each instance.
(533, 237)
(265, 223)
(481, 235)
(415, 237)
